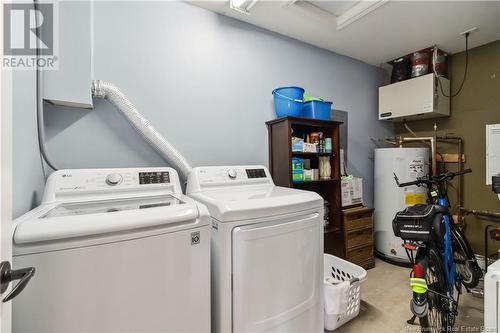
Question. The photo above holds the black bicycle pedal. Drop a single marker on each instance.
(411, 321)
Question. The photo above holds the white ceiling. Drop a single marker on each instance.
(393, 29)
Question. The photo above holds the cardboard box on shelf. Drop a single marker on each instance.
(310, 147)
(352, 191)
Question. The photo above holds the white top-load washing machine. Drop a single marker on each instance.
(115, 250)
(267, 251)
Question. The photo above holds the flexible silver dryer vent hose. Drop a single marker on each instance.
(112, 94)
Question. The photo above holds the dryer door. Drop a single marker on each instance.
(277, 275)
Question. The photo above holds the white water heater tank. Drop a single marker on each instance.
(407, 164)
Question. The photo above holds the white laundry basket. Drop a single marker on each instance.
(342, 270)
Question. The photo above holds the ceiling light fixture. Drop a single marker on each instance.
(242, 6)
(308, 8)
(357, 11)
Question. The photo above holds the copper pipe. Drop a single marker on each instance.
(398, 141)
(458, 140)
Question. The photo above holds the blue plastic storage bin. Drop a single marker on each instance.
(288, 101)
(317, 109)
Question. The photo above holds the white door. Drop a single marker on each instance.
(5, 182)
(277, 276)
(8, 275)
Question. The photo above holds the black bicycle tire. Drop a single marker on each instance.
(471, 265)
(435, 261)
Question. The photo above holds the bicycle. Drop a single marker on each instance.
(444, 260)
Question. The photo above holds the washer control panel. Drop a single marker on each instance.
(155, 177)
(256, 173)
(230, 175)
(77, 182)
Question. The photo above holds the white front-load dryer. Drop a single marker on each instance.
(267, 251)
(115, 250)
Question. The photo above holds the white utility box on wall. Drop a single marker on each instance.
(417, 98)
(70, 84)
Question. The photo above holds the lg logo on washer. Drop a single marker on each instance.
(29, 36)
(195, 238)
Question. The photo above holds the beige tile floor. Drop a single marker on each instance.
(385, 304)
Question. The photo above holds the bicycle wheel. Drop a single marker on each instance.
(469, 271)
(468, 275)
(437, 319)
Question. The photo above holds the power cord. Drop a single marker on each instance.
(39, 105)
(434, 56)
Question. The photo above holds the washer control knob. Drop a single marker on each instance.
(232, 173)
(114, 179)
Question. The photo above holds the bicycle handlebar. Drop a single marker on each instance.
(432, 180)
(449, 175)
(462, 172)
(415, 182)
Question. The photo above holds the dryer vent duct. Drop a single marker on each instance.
(112, 94)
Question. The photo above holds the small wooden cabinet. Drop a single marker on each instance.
(357, 225)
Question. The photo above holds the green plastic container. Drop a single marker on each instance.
(308, 97)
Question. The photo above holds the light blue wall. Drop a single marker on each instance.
(204, 81)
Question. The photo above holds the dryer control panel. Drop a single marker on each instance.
(202, 177)
(75, 183)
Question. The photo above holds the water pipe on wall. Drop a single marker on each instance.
(401, 140)
(432, 141)
(482, 213)
(459, 142)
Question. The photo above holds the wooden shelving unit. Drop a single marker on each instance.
(280, 163)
